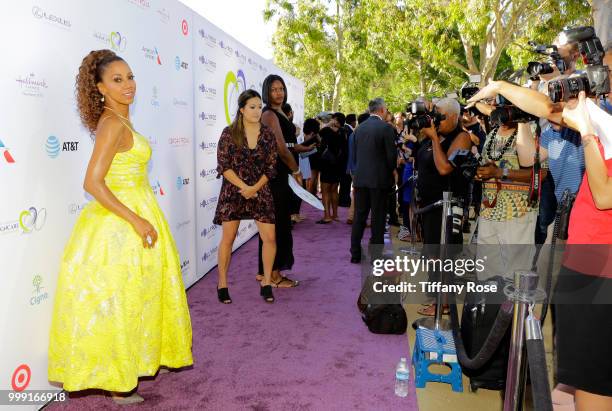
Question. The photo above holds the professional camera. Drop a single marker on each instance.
(595, 81)
(535, 68)
(505, 113)
(471, 87)
(465, 161)
(421, 117)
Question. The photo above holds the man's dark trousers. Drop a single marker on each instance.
(366, 199)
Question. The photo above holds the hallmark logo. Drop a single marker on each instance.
(42, 14)
(31, 86)
(209, 65)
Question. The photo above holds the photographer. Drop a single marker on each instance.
(506, 216)
(436, 173)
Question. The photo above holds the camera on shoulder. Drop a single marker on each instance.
(420, 117)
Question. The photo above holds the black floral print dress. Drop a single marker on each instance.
(249, 165)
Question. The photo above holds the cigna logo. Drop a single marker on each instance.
(210, 253)
(42, 14)
(184, 266)
(39, 295)
(208, 231)
(6, 154)
(152, 54)
(208, 202)
(209, 38)
(235, 83)
(179, 64)
(209, 65)
(53, 146)
(180, 182)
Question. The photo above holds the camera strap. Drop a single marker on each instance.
(536, 173)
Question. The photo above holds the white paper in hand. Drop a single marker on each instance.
(305, 195)
(602, 123)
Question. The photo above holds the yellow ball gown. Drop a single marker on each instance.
(120, 309)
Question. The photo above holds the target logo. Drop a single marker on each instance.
(21, 378)
(184, 27)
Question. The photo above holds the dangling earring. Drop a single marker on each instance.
(102, 99)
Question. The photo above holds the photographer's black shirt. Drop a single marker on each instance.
(430, 183)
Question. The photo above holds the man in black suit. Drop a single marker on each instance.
(375, 156)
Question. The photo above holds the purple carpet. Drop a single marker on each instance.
(308, 351)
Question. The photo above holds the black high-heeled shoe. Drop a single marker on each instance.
(266, 293)
(223, 295)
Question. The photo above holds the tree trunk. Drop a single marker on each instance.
(339, 59)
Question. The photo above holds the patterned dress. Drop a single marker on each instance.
(120, 309)
(249, 165)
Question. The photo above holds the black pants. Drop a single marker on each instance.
(367, 199)
(548, 209)
(392, 206)
(344, 196)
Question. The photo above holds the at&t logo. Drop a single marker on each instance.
(39, 295)
(53, 146)
(180, 182)
(179, 64)
(6, 154)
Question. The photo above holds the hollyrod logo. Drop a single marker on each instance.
(234, 85)
(208, 231)
(208, 202)
(31, 86)
(209, 65)
(227, 49)
(209, 174)
(209, 118)
(39, 295)
(208, 38)
(152, 54)
(42, 14)
(180, 182)
(209, 92)
(184, 27)
(29, 220)
(117, 41)
(210, 253)
(6, 154)
(179, 64)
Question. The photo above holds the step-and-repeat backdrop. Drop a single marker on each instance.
(189, 74)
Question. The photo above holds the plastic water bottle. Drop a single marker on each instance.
(402, 376)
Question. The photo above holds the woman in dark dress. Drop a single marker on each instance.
(246, 158)
(331, 149)
(274, 95)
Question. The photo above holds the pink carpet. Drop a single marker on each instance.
(308, 351)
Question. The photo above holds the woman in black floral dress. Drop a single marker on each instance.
(246, 158)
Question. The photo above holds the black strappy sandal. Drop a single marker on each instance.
(223, 295)
(266, 292)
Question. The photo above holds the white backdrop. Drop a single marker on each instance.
(181, 63)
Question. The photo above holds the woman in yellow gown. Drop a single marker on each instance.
(120, 308)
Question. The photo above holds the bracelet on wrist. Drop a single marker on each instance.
(295, 173)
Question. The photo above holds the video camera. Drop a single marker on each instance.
(535, 68)
(420, 117)
(595, 81)
(505, 112)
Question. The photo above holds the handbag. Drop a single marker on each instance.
(381, 318)
(328, 156)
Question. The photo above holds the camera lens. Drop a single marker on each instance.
(567, 88)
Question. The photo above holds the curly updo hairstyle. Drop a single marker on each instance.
(89, 98)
